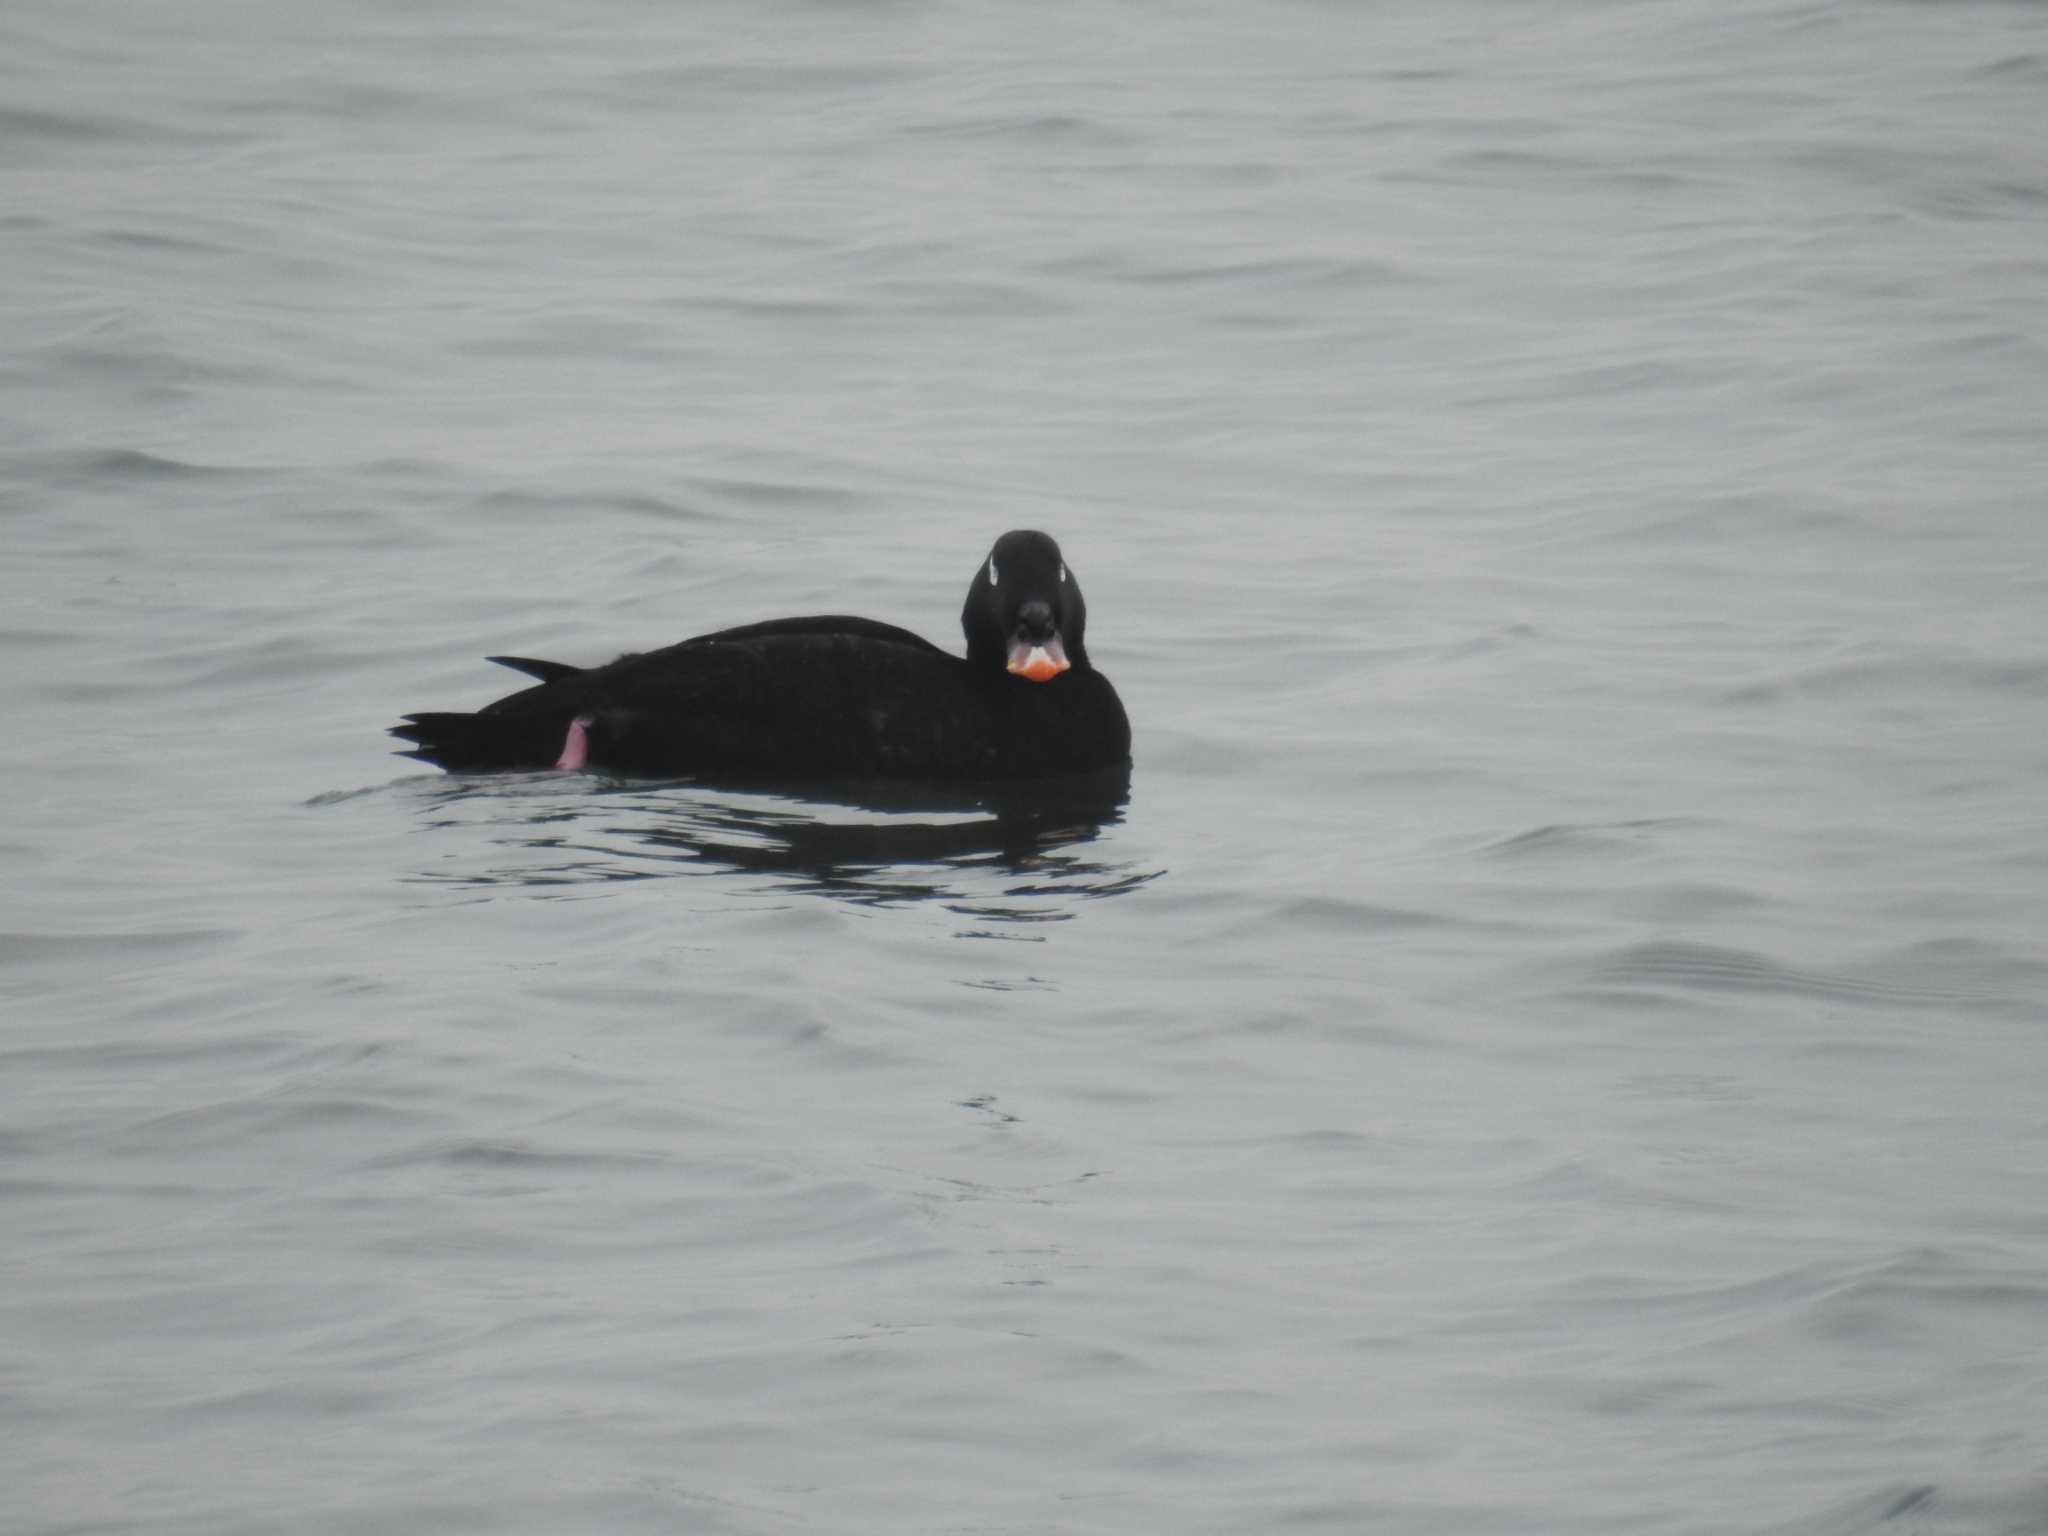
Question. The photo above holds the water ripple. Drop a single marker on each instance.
(1677, 966)
(1005, 853)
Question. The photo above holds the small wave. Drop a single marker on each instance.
(1869, 1511)
(19, 125)
(774, 493)
(968, 298)
(1065, 129)
(17, 639)
(752, 83)
(1337, 915)
(135, 465)
(79, 949)
(1311, 274)
(506, 1155)
(1683, 967)
(155, 241)
(1584, 837)
(252, 1121)
(1994, 199)
(343, 796)
(2021, 66)
(573, 506)
(1752, 1300)
(1920, 676)
(782, 307)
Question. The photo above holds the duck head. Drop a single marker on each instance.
(1024, 614)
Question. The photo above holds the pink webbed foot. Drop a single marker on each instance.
(576, 746)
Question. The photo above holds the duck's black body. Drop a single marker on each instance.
(823, 697)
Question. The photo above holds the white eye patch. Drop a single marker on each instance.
(991, 570)
(1063, 571)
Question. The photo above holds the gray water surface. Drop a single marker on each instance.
(1553, 1039)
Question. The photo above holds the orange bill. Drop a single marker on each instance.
(1040, 663)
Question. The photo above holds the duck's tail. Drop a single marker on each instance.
(481, 743)
(494, 740)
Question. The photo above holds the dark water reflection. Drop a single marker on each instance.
(1010, 852)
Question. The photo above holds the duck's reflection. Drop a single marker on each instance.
(992, 850)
